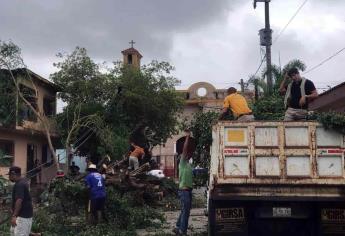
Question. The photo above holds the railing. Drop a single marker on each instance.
(167, 163)
(38, 126)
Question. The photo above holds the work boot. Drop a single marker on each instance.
(180, 233)
(176, 231)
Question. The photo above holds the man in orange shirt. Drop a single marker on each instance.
(238, 105)
(134, 156)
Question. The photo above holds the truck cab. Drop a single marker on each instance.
(276, 178)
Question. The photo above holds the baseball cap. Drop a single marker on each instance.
(92, 167)
(16, 170)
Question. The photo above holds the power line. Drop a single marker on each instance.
(262, 61)
(291, 19)
(280, 33)
(324, 61)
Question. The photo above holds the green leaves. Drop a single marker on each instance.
(146, 97)
(64, 212)
(7, 100)
(10, 56)
(80, 79)
(332, 120)
(122, 97)
(201, 127)
(269, 108)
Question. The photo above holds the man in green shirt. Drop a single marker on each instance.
(185, 187)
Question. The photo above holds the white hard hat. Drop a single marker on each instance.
(92, 166)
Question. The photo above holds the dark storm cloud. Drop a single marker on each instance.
(104, 27)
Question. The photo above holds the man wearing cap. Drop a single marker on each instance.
(298, 93)
(96, 185)
(238, 105)
(22, 210)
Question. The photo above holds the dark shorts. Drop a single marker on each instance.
(97, 204)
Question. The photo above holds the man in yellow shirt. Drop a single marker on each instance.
(238, 105)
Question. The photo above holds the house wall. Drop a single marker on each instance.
(332, 100)
(32, 132)
(20, 153)
(195, 103)
(42, 92)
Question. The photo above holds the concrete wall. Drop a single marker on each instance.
(135, 60)
(20, 152)
(331, 100)
(42, 92)
(194, 104)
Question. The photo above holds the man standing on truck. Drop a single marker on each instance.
(298, 93)
(238, 105)
(185, 187)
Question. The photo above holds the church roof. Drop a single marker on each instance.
(131, 51)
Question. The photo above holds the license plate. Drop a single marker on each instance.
(335, 215)
(229, 213)
(281, 212)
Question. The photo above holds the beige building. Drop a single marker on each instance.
(24, 141)
(132, 57)
(201, 96)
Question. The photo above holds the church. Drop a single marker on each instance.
(200, 96)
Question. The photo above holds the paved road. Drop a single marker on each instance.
(197, 224)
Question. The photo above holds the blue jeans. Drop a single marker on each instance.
(186, 204)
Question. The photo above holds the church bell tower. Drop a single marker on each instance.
(131, 56)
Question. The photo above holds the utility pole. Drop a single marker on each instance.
(256, 90)
(266, 40)
(268, 48)
(242, 86)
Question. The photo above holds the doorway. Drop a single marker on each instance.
(30, 159)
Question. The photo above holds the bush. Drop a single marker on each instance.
(64, 212)
(332, 120)
(269, 108)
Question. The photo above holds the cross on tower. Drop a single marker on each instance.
(132, 43)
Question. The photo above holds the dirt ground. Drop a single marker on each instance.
(197, 220)
(197, 224)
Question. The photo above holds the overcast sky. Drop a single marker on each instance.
(206, 40)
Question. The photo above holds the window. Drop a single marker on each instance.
(130, 59)
(49, 106)
(25, 111)
(158, 159)
(31, 156)
(201, 92)
(6, 153)
(46, 158)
